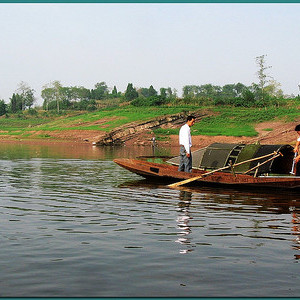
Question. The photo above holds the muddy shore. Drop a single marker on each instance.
(268, 133)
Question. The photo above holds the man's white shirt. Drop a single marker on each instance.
(185, 138)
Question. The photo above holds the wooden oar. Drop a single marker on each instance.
(217, 170)
(259, 165)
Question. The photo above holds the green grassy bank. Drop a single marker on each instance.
(227, 121)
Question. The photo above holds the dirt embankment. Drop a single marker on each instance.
(268, 133)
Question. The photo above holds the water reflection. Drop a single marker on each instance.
(295, 230)
(183, 220)
(66, 221)
(65, 150)
(228, 213)
(278, 201)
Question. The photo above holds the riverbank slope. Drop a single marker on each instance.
(281, 133)
(132, 126)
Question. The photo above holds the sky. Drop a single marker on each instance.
(164, 45)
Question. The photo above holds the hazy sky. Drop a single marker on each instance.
(166, 45)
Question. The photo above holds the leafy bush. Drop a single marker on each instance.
(32, 112)
(150, 101)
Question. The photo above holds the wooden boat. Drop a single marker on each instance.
(255, 166)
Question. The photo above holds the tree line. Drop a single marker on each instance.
(57, 97)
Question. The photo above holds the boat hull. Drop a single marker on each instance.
(164, 173)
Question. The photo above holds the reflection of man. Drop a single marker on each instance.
(183, 222)
(185, 141)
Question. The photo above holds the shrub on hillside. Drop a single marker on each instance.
(150, 101)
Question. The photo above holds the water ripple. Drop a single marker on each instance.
(72, 227)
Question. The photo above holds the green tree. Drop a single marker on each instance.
(262, 75)
(273, 89)
(171, 94)
(53, 92)
(57, 88)
(66, 97)
(152, 91)
(147, 92)
(114, 92)
(163, 93)
(231, 94)
(229, 91)
(100, 91)
(27, 95)
(15, 103)
(3, 108)
(188, 91)
(131, 92)
(75, 93)
(144, 92)
(248, 98)
(48, 96)
(239, 88)
(209, 90)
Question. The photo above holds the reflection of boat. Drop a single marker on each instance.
(251, 166)
(262, 199)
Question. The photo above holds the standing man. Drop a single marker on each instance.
(185, 141)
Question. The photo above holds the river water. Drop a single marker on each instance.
(73, 223)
